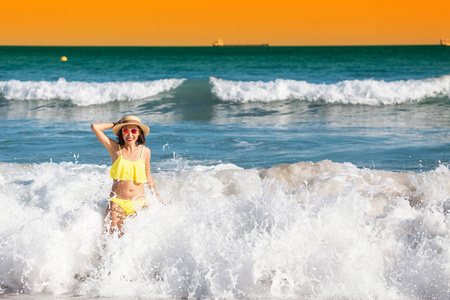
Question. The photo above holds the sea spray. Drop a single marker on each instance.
(313, 230)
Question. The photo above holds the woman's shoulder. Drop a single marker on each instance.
(145, 150)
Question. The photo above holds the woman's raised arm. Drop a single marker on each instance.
(98, 129)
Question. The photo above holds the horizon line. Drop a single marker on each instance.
(210, 46)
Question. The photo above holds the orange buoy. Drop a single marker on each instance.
(63, 58)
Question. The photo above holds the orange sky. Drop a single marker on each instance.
(201, 22)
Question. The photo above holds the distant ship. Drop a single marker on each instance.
(219, 43)
(445, 42)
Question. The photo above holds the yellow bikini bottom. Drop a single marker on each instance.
(129, 206)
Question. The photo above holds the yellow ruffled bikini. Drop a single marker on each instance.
(123, 169)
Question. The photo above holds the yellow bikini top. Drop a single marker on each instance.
(123, 169)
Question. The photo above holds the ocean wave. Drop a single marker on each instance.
(305, 230)
(366, 92)
(85, 93)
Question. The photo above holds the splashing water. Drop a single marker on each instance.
(306, 230)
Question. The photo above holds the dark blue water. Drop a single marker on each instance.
(376, 107)
(313, 64)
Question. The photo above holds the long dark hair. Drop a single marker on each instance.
(140, 140)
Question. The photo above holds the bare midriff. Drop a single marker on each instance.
(127, 190)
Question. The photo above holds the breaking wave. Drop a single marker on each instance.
(366, 92)
(85, 93)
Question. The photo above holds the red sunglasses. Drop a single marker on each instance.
(133, 130)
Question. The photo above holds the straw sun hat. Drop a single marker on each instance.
(130, 120)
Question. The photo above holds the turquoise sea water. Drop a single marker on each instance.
(377, 107)
(288, 172)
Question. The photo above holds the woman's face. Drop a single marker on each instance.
(130, 134)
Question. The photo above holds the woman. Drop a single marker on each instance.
(130, 169)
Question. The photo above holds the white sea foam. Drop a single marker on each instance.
(308, 230)
(367, 92)
(85, 93)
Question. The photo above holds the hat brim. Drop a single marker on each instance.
(116, 129)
